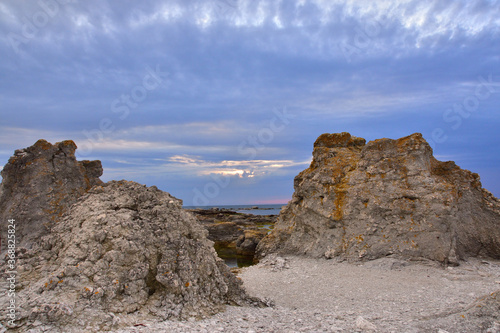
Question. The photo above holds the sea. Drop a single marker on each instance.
(246, 209)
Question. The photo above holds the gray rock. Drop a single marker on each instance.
(364, 325)
(495, 328)
(123, 249)
(247, 243)
(235, 231)
(362, 201)
(276, 263)
(40, 183)
(224, 232)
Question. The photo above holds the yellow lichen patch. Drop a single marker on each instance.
(359, 238)
(43, 144)
(339, 202)
(60, 281)
(187, 284)
(327, 188)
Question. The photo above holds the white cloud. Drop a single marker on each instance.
(24, 137)
(240, 168)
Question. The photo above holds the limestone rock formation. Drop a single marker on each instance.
(39, 185)
(124, 248)
(362, 200)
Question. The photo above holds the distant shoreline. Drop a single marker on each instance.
(245, 209)
(238, 207)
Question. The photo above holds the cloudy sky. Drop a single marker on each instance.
(220, 101)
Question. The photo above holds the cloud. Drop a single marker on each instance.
(239, 168)
(376, 68)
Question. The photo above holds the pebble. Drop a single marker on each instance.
(365, 325)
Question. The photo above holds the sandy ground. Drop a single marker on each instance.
(385, 295)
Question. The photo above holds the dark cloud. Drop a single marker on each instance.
(377, 69)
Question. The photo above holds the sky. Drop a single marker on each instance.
(219, 102)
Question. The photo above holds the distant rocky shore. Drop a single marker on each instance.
(235, 232)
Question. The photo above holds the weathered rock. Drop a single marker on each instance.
(247, 243)
(236, 232)
(364, 325)
(223, 232)
(39, 185)
(124, 248)
(366, 201)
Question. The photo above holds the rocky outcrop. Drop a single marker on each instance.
(39, 184)
(235, 231)
(247, 243)
(124, 248)
(362, 200)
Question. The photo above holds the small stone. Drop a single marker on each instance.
(495, 328)
(365, 325)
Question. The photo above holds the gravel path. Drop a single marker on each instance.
(385, 295)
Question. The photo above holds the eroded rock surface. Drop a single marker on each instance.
(362, 200)
(124, 248)
(232, 230)
(40, 183)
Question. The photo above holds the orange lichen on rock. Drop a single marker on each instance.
(339, 140)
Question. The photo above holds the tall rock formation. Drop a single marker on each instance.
(365, 201)
(39, 185)
(123, 249)
(94, 257)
